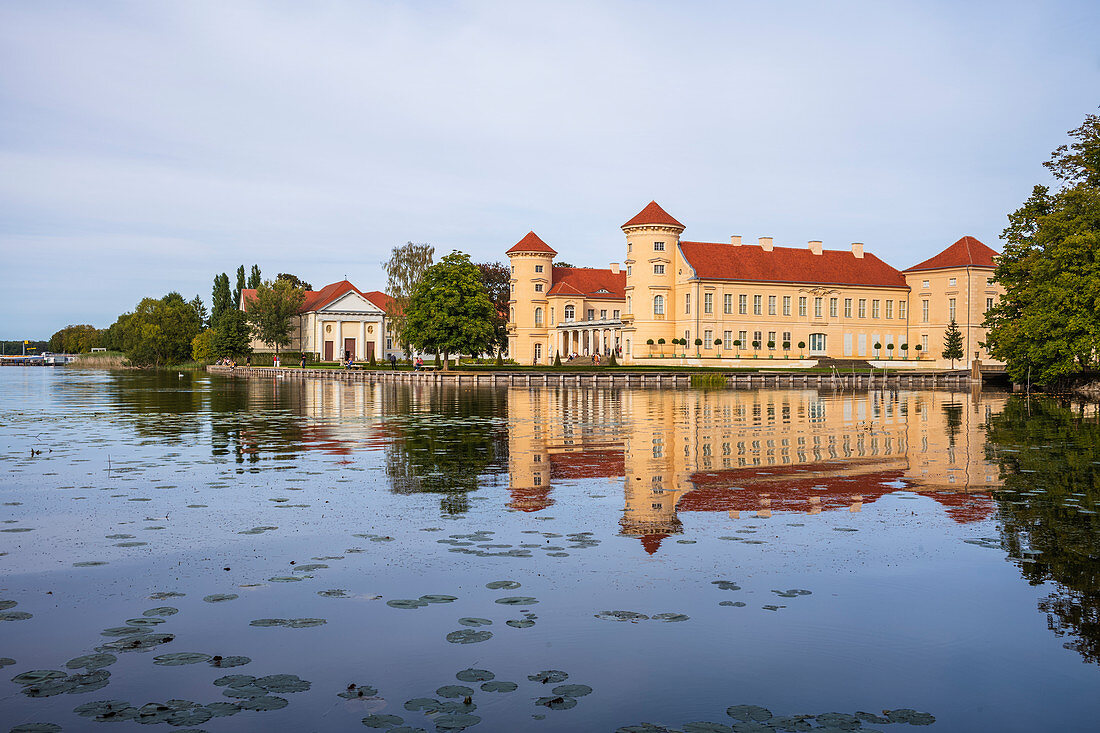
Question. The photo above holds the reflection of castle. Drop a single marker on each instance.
(759, 452)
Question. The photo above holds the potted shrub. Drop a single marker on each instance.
(771, 347)
(918, 347)
(649, 343)
(661, 343)
(878, 349)
(786, 348)
(889, 351)
(718, 345)
(737, 345)
(905, 351)
(756, 349)
(801, 348)
(698, 346)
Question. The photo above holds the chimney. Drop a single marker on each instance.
(614, 268)
(815, 246)
(735, 240)
(857, 250)
(766, 244)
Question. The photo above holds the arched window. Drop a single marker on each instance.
(658, 305)
(538, 318)
(570, 312)
(817, 343)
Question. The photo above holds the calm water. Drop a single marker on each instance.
(667, 555)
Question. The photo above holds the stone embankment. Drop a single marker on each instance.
(619, 378)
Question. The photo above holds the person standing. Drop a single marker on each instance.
(393, 362)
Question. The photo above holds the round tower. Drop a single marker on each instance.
(652, 239)
(531, 261)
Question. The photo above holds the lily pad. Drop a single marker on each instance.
(517, 601)
(190, 716)
(161, 611)
(737, 604)
(433, 598)
(469, 636)
(557, 702)
(140, 642)
(15, 615)
(502, 585)
(220, 597)
(263, 703)
(706, 727)
(87, 563)
(222, 709)
(285, 579)
(474, 621)
(305, 623)
(549, 676)
(382, 721)
(177, 659)
(792, 593)
(454, 691)
(36, 728)
(6, 662)
(266, 622)
(475, 675)
(499, 686)
(165, 595)
(310, 567)
(282, 683)
(425, 704)
(726, 585)
(354, 692)
(91, 661)
(230, 661)
(910, 716)
(456, 721)
(748, 713)
(406, 603)
(572, 690)
(234, 680)
(621, 616)
(333, 593)
(670, 617)
(38, 676)
(520, 623)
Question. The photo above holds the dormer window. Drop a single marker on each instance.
(658, 246)
(603, 290)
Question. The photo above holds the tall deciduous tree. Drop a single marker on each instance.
(75, 339)
(232, 335)
(449, 311)
(272, 310)
(405, 268)
(1048, 321)
(952, 343)
(158, 332)
(497, 279)
(242, 283)
(254, 278)
(221, 299)
(294, 280)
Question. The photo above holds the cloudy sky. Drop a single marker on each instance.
(147, 145)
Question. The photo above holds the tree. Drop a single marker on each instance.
(221, 299)
(200, 310)
(801, 348)
(405, 268)
(254, 278)
(158, 332)
(75, 339)
(449, 311)
(563, 264)
(241, 285)
(271, 311)
(497, 279)
(202, 346)
(294, 280)
(233, 335)
(952, 343)
(1048, 320)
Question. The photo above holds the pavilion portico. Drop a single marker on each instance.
(588, 337)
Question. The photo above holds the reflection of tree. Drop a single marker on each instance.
(443, 440)
(1047, 534)
(952, 413)
(159, 404)
(251, 417)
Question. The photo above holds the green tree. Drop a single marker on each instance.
(202, 346)
(564, 264)
(449, 311)
(200, 310)
(272, 311)
(75, 339)
(952, 343)
(233, 335)
(254, 278)
(242, 283)
(221, 299)
(158, 332)
(405, 268)
(294, 280)
(497, 279)
(1048, 320)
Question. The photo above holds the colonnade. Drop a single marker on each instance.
(588, 341)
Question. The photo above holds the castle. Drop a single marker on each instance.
(737, 301)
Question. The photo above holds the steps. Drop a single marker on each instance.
(843, 364)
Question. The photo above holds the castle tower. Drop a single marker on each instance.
(652, 241)
(528, 313)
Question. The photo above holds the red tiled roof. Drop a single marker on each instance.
(967, 252)
(380, 299)
(531, 243)
(652, 214)
(721, 261)
(317, 299)
(588, 281)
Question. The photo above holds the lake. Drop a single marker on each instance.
(220, 554)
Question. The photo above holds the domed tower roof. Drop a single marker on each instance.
(531, 243)
(653, 214)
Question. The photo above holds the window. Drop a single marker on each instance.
(874, 308)
(862, 308)
(389, 343)
(771, 305)
(817, 307)
(758, 337)
(538, 317)
(924, 311)
(615, 315)
(889, 309)
(786, 305)
(658, 246)
(538, 351)
(833, 302)
(847, 307)
(658, 305)
(743, 337)
(603, 315)
(802, 305)
(687, 336)
(551, 316)
(771, 339)
(817, 342)
(538, 268)
(786, 337)
(513, 269)
(538, 287)
(629, 270)
(924, 342)
(757, 305)
(591, 314)
(708, 302)
(950, 309)
(570, 313)
(727, 340)
(952, 281)
(924, 283)
(512, 287)
(742, 304)
(512, 317)
(901, 309)
(727, 304)
(687, 302)
(708, 339)
(989, 304)
(629, 246)
(658, 269)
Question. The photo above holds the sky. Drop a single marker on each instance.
(146, 146)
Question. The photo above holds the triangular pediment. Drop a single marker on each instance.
(351, 302)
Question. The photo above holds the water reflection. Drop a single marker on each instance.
(1049, 456)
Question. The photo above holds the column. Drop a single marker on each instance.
(361, 342)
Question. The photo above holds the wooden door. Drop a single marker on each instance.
(370, 350)
(349, 348)
(328, 351)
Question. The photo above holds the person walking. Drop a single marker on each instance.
(393, 362)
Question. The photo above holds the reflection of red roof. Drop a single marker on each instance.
(589, 464)
(721, 261)
(530, 499)
(317, 299)
(967, 252)
(652, 214)
(531, 243)
(652, 542)
(965, 508)
(589, 281)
